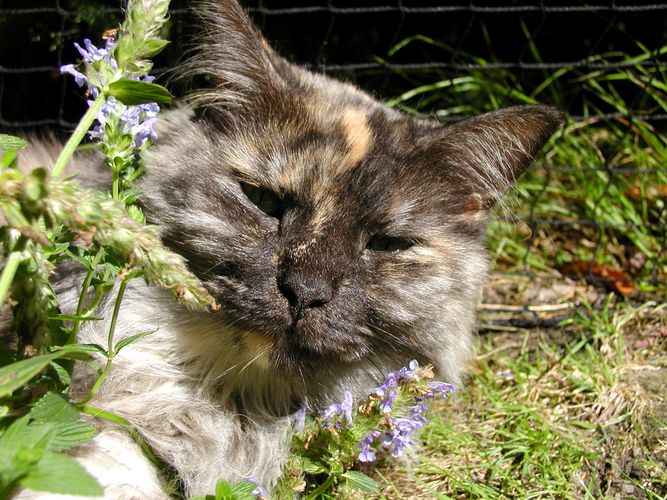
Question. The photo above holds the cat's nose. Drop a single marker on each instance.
(305, 292)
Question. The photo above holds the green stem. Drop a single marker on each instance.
(114, 316)
(134, 433)
(99, 294)
(82, 297)
(321, 488)
(78, 135)
(115, 183)
(8, 272)
(110, 350)
(98, 383)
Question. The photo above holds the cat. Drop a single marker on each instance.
(342, 239)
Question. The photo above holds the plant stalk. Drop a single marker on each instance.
(78, 135)
(8, 272)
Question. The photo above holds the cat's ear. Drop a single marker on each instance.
(485, 155)
(235, 58)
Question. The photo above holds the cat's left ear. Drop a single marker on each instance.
(485, 155)
(235, 57)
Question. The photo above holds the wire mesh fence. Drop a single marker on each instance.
(593, 207)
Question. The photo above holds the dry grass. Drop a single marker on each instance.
(574, 412)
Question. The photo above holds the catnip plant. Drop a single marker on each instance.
(334, 448)
(48, 218)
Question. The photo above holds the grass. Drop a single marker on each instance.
(552, 414)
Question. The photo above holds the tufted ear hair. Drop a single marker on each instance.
(485, 155)
(235, 57)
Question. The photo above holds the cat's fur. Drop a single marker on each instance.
(373, 256)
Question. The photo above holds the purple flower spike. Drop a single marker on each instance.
(79, 78)
(443, 388)
(91, 53)
(386, 405)
(260, 491)
(300, 417)
(366, 454)
(144, 131)
(346, 407)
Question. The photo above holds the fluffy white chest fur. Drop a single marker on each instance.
(179, 388)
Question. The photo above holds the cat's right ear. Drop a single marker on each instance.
(239, 65)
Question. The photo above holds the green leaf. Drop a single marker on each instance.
(10, 438)
(78, 254)
(68, 436)
(57, 249)
(15, 375)
(26, 443)
(129, 340)
(361, 481)
(53, 408)
(8, 158)
(68, 432)
(80, 351)
(11, 143)
(132, 92)
(67, 317)
(57, 473)
(61, 373)
(223, 490)
(152, 47)
(243, 490)
(310, 467)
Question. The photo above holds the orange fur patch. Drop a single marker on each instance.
(359, 138)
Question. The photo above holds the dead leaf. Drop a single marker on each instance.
(613, 279)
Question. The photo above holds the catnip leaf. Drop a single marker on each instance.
(77, 253)
(223, 490)
(310, 467)
(57, 473)
(61, 374)
(11, 143)
(80, 351)
(8, 158)
(243, 491)
(361, 481)
(53, 408)
(68, 436)
(133, 92)
(149, 48)
(17, 374)
(129, 340)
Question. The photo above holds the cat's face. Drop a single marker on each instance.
(333, 230)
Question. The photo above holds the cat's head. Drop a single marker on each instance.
(338, 234)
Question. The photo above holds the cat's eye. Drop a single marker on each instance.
(267, 201)
(381, 243)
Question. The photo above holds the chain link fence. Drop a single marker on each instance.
(592, 213)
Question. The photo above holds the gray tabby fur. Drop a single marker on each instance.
(374, 256)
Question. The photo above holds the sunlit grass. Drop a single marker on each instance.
(557, 415)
